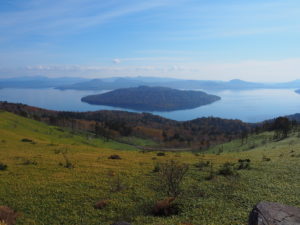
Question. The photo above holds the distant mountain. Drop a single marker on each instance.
(104, 84)
(117, 82)
(127, 82)
(38, 82)
(152, 98)
(112, 83)
(297, 91)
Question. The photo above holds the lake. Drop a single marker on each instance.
(249, 106)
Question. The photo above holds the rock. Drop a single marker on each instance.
(7, 215)
(121, 223)
(269, 213)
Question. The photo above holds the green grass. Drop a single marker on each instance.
(47, 193)
(138, 141)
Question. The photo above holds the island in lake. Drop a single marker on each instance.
(144, 98)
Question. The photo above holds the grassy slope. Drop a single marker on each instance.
(50, 194)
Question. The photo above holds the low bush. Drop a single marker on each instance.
(266, 159)
(3, 166)
(101, 204)
(165, 207)
(228, 169)
(29, 162)
(244, 164)
(117, 184)
(201, 165)
(114, 157)
(67, 163)
(26, 140)
(156, 168)
(161, 154)
(7, 216)
(171, 175)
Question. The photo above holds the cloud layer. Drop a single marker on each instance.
(264, 71)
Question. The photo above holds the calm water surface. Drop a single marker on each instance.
(249, 106)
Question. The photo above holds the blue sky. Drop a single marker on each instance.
(256, 40)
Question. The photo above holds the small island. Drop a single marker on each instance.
(144, 98)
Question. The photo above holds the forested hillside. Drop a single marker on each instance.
(197, 134)
(152, 98)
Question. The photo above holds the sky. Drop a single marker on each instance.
(257, 40)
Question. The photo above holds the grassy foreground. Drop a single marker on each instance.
(37, 184)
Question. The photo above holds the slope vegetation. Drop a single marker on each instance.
(46, 189)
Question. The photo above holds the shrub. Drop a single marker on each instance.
(29, 162)
(67, 163)
(7, 215)
(211, 174)
(227, 169)
(156, 168)
(252, 146)
(201, 165)
(171, 174)
(3, 166)
(111, 173)
(26, 140)
(101, 204)
(117, 184)
(266, 159)
(114, 157)
(244, 164)
(161, 154)
(165, 207)
(57, 151)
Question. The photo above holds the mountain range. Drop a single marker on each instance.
(38, 82)
(76, 83)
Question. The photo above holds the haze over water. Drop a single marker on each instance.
(249, 106)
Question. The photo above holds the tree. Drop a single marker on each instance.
(281, 126)
(244, 136)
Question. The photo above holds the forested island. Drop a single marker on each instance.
(152, 98)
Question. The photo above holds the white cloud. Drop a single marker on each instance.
(267, 71)
(116, 61)
(65, 16)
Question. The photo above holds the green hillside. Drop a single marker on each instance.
(55, 177)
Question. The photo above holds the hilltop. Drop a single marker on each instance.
(152, 98)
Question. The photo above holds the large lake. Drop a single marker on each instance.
(249, 106)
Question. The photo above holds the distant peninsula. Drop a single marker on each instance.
(144, 98)
(297, 91)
